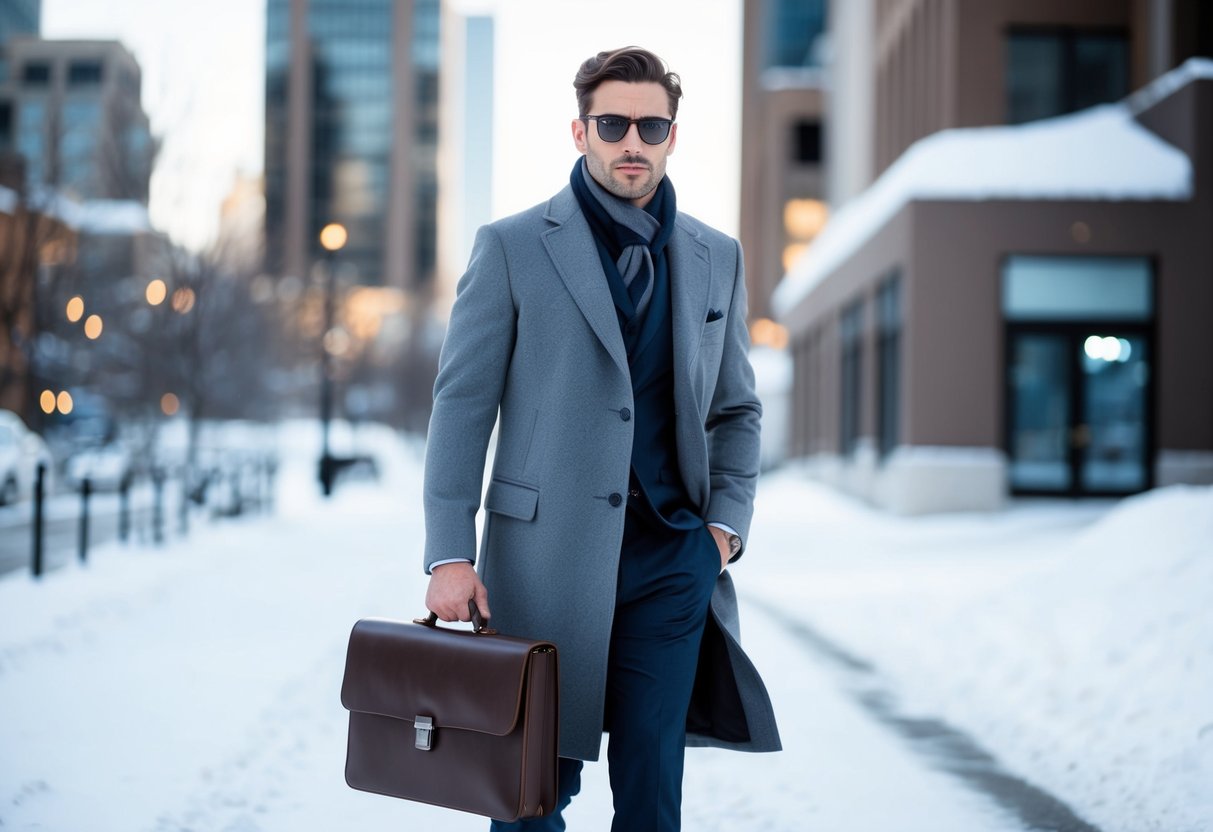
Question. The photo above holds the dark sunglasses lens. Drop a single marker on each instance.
(653, 132)
(612, 129)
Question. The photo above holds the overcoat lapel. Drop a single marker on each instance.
(691, 280)
(571, 246)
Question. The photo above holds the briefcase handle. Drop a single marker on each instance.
(480, 625)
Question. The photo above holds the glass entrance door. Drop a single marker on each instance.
(1112, 435)
(1078, 410)
(1041, 412)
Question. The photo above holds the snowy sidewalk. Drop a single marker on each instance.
(196, 687)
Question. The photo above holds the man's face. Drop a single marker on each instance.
(628, 168)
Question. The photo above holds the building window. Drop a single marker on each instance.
(36, 73)
(81, 73)
(803, 220)
(31, 137)
(6, 124)
(888, 318)
(793, 31)
(1077, 289)
(852, 358)
(1203, 29)
(1051, 72)
(806, 142)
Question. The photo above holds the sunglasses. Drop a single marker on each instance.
(614, 128)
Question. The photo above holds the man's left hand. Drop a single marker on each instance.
(722, 543)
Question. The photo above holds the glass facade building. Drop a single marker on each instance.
(19, 17)
(350, 122)
(72, 111)
(793, 32)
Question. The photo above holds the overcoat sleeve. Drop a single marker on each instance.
(472, 370)
(733, 421)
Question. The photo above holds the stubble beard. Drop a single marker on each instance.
(603, 176)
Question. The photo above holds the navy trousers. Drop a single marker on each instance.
(666, 577)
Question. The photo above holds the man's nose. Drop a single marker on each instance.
(631, 140)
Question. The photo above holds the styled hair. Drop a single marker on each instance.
(631, 64)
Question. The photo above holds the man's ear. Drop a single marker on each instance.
(673, 139)
(579, 135)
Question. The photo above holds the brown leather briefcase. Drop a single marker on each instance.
(465, 720)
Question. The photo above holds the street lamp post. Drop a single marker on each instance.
(332, 239)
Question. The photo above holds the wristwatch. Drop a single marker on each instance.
(734, 545)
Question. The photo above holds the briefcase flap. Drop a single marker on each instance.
(460, 679)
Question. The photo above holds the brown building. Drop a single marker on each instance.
(782, 107)
(1020, 309)
(32, 240)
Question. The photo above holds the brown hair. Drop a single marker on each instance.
(631, 64)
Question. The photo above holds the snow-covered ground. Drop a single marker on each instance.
(196, 686)
(1074, 641)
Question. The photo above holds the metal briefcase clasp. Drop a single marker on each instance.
(424, 726)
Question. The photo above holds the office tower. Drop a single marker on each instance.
(19, 17)
(351, 131)
(72, 111)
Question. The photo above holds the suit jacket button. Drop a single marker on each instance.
(625, 415)
(615, 499)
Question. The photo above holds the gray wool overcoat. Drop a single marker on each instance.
(534, 341)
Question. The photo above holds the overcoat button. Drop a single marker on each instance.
(615, 499)
(625, 415)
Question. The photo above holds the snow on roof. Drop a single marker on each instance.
(1167, 85)
(1096, 154)
(109, 216)
(94, 216)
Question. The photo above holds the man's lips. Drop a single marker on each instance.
(632, 168)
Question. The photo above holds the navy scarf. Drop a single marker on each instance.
(613, 238)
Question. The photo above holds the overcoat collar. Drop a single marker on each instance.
(571, 246)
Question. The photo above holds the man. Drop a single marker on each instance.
(609, 332)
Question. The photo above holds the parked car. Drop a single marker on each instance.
(106, 466)
(20, 452)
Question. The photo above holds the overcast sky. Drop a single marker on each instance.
(203, 83)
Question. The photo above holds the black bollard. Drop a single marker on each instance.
(124, 506)
(237, 493)
(271, 469)
(39, 495)
(158, 506)
(86, 489)
(184, 519)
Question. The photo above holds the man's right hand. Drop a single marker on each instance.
(451, 586)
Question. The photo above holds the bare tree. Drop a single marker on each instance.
(33, 243)
(221, 341)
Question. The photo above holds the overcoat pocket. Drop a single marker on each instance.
(513, 499)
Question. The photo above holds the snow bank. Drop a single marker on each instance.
(1082, 659)
(1108, 659)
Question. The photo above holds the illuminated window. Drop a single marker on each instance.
(803, 218)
